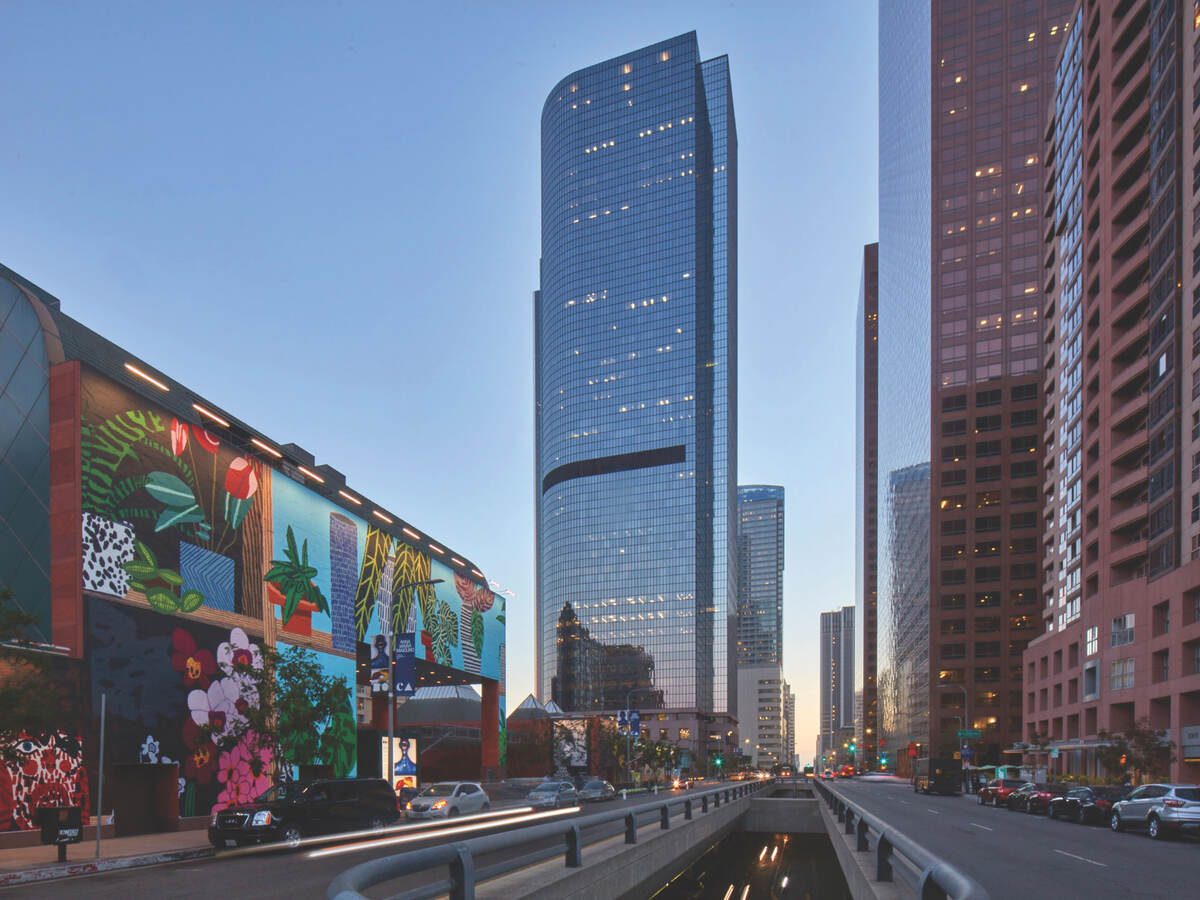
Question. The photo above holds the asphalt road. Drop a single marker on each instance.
(1017, 855)
(288, 875)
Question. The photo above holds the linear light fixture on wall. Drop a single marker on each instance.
(313, 475)
(412, 534)
(150, 378)
(436, 549)
(266, 447)
(381, 516)
(209, 414)
(350, 497)
(457, 561)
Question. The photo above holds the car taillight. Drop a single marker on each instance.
(1173, 802)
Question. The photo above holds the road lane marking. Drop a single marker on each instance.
(1082, 858)
(905, 802)
(934, 811)
(984, 827)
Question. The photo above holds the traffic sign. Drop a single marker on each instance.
(635, 721)
(968, 733)
(622, 721)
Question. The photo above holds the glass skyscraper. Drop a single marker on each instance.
(760, 575)
(635, 342)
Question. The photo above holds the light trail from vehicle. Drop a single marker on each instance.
(457, 829)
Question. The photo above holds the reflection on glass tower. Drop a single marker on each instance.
(904, 671)
(635, 340)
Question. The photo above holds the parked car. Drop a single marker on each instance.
(1034, 798)
(1085, 805)
(293, 811)
(997, 790)
(597, 791)
(1162, 809)
(446, 799)
(553, 795)
(846, 771)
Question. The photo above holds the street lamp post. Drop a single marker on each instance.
(392, 679)
(964, 718)
(629, 728)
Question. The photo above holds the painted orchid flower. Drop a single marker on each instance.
(218, 706)
(238, 650)
(200, 761)
(179, 436)
(149, 749)
(240, 480)
(207, 441)
(197, 666)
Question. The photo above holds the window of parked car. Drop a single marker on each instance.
(466, 789)
(1187, 793)
(438, 790)
(1155, 790)
(1012, 782)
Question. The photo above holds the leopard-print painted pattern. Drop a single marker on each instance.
(107, 546)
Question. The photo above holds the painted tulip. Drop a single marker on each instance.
(179, 436)
(206, 441)
(240, 480)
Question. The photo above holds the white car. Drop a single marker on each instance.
(446, 799)
(553, 795)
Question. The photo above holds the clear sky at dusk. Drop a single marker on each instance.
(327, 220)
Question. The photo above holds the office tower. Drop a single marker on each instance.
(760, 574)
(1122, 544)
(969, 264)
(789, 725)
(903, 356)
(837, 675)
(635, 371)
(866, 527)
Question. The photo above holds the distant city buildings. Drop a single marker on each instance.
(789, 725)
(760, 574)
(867, 503)
(837, 676)
(635, 370)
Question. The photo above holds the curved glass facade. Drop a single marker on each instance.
(634, 334)
(24, 457)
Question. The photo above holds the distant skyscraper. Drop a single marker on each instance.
(866, 524)
(837, 674)
(789, 725)
(635, 370)
(760, 574)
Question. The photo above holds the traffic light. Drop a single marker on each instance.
(883, 762)
(717, 762)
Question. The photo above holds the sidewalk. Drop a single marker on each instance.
(24, 865)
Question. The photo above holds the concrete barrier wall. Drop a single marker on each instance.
(780, 815)
(614, 869)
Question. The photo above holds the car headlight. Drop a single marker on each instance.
(213, 821)
(261, 818)
(408, 805)
(441, 804)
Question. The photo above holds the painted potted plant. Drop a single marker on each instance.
(290, 587)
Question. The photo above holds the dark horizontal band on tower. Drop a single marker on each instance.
(620, 462)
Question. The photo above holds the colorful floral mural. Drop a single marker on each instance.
(47, 771)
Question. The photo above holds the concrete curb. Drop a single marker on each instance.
(91, 867)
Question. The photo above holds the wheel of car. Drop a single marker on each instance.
(1115, 823)
(377, 823)
(291, 836)
(996, 801)
(1154, 829)
(1029, 809)
(452, 813)
(1078, 817)
(981, 800)
(1051, 811)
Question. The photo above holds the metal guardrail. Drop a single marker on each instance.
(929, 876)
(459, 857)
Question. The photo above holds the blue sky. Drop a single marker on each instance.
(326, 219)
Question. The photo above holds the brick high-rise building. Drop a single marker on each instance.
(992, 84)
(867, 502)
(1121, 585)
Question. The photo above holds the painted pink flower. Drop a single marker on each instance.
(240, 480)
(206, 441)
(179, 436)
(244, 773)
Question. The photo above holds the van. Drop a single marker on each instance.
(938, 775)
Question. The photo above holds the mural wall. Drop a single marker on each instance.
(208, 549)
(47, 770)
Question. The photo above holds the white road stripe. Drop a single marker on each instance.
(934, 811)
(984, 827)
(1082, 858)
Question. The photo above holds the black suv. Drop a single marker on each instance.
(290, 812)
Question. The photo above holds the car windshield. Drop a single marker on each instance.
(280, 792)
(1187, 793)
(594, 786)
(439, 790)
(1012, 783)
(546, 787)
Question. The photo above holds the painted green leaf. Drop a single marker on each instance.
(171, 578)
(139, 569)
(192, 600)
(375, 556)
(145, 554)
(500, 618)
(236, 510)
(173, 516)
(162, 600)
(477, 631)
(169, 490)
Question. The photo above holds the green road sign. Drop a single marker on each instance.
(966, 733)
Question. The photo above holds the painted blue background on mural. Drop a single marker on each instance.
(322, 524)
